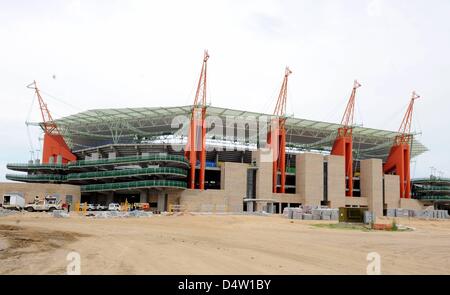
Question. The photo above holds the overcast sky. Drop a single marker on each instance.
(111, 54)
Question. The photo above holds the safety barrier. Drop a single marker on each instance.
(133, 184)
(36, 177)
(129, 172)
(101, 162)
(129, 160)
(432, 197)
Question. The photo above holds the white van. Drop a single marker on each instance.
(114, 207)
(13, 201)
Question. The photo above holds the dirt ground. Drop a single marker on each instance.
(37, 243)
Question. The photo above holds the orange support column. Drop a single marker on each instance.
(192, 152)
(282, 160)
(343, 146)
(398, 163)
(54, 146)
(203, 151)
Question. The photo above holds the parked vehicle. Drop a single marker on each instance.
(13, 201)
(99, 207)
(91, 207)
(49, 204)
(142, 206)
(114, 207)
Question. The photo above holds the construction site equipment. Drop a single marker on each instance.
(76, 207)
(276, 137)
(398, 161)
(49, 204)
(196, 144)
(343, 144)
(55, 149)
(13, 201)
(142, 206)
(352, 214)
(176, 208)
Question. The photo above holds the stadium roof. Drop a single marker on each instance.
(133, 125)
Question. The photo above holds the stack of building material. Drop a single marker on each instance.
(390, 212)
(335, 214)
(297, 213)
(427, 213)
(313, 213)
(369, 217)
(316, 214)
(307, 216)
(307, 209)
(399, 212)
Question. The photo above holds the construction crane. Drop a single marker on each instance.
(54, 143)
(398, 160)
(343, 144)
(276, 137)
(196, 144)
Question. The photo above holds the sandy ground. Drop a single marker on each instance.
(37, 243)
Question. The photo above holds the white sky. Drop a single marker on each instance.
(108, 54)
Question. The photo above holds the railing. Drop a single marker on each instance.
(99, 174)
(432, 197)
(129, 172)
(431, 188)
(100, 162)
(130, 159)
(133, 184)
(421, 180)
(36, 177)
(11, 166)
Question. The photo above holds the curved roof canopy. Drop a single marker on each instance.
(133, 125)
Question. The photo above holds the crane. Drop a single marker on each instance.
(54, 143)
(398, 160)
(276, 137)
(196, 144)
(343, 144)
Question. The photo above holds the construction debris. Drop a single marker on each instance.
(60, 214)
(369, 217)
(7, 212)
(117, 214)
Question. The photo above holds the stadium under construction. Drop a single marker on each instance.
(204, 158)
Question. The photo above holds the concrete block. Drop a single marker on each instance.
(297, 214)
(316, 216)
(334, 214)
(390, 212)
(401, 212)
(369, 217)
(326, 213)
(307, 209)
(307, 216)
